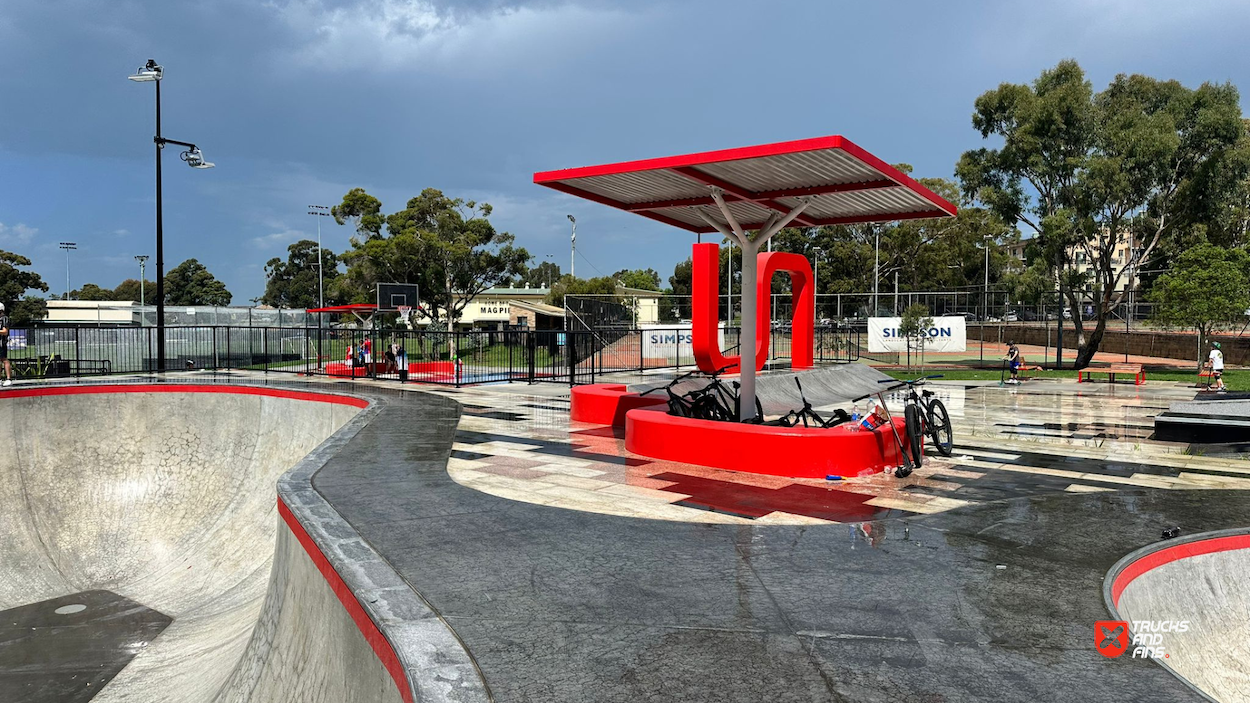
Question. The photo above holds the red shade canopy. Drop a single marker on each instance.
(845, 185)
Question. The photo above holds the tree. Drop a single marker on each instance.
(190, 283)
(569, 285)
(642, 279)
(914, 328)
(91, 291)
(297, 282)
(130, 289)
(14, 284)
(446, 246)
(1207, 287)
(1143, 161)
(540, 276)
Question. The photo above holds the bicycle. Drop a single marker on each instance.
(724, 403)
(715, 401)
(924, 414)
(808, 414)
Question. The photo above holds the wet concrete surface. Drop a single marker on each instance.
(995, 602)
(65, 649)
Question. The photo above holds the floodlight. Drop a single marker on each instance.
(151, 71)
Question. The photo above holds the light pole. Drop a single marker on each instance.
(152, 72)
(143, 262)
(68, 247)
(876, 269)
(986, 299)
(319, 211)
(573, 250)
(549, 271)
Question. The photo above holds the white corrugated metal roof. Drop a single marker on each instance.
(845, 184)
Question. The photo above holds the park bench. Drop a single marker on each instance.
(1135, 370)
(1205, 373)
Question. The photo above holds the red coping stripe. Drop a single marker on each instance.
(381, 646)
(1168, 555)
(185, 388)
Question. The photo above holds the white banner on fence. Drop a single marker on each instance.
(672, 342)
(946, 334)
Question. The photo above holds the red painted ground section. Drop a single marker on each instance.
(756, 501)
(1171, 554)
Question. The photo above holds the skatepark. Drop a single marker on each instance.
(348, 541)
(434, 481)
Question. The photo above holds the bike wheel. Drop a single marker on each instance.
(915, 433)
(707, 407)
(939, 428)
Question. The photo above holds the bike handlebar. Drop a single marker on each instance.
(686, 375)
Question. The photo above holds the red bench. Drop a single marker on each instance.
(1135, 370)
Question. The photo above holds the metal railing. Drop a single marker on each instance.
(450, 358)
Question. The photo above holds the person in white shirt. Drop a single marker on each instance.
(1215, 361)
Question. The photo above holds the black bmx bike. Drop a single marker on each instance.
(924, 415)
(715, 401)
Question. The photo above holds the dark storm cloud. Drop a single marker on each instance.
(299, 100)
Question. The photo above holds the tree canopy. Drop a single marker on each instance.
(130, 289)
(568, 285)
(295, 283)
(446, 246)
(642, 279)
(1208, 286)
(190, 283)
(1144, 161)
(541, 276)
(91, 291)
(14, 285)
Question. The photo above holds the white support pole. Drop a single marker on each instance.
(750, 252)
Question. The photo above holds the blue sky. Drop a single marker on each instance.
(298, 101)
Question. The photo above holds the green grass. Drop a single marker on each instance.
(1233, 378)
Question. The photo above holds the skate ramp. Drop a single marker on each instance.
(167, 499)
(1201, 581)
(824, 386)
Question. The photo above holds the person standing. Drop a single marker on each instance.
(1215, 361)
(1014, 361)
(4, 346)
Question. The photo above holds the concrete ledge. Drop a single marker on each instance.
(607, 403)
(415, 642)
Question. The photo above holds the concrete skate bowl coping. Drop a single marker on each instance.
(1199, 580)
(167, 505)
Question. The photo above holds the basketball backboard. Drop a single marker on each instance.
(392, 296)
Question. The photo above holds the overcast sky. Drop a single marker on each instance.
(298, 101)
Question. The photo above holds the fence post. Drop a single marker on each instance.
(264, 332)
(77, 353)
(529, 353)
(508, 337)
(455, 357)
